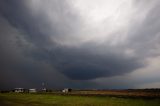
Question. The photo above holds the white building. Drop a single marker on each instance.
(32, 90)
(19, 90)
(66, 90)
(44, 90)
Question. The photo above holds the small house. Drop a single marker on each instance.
(32, 90)
(66, 90)
(19, 90)
(44, 90)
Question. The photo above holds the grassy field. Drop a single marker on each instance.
(26, 99)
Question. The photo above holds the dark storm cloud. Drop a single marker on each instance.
(85, 63)
(75, 63)
(32, 45)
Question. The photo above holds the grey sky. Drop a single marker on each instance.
(79, 43)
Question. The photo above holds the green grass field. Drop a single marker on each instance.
(26, 99)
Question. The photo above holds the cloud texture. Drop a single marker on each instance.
(77, 43)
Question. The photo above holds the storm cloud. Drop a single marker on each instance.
(73, 43)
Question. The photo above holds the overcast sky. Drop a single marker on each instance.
(82, 44)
